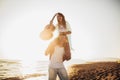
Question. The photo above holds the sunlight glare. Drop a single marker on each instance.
(28, 66)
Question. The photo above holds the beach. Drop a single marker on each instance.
(95, 71)
(77, 70)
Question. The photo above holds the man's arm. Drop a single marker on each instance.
(50, 48)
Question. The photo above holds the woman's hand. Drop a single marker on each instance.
(51, 22)
(56, 14)
(68, 32)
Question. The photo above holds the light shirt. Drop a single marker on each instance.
(62, 29)
(56, 60)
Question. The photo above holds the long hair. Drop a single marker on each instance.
(63, 20)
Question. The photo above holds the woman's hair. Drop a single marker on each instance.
(63, 20)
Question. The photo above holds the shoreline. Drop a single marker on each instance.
(86, 71)
(34, 75)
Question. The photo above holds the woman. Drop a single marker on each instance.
(62, 27)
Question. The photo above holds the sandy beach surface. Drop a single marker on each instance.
(95, 71)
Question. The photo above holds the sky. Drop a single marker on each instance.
(95, 27)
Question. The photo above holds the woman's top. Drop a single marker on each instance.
(62, 29)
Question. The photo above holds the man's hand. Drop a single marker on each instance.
(65, 33)
(62, 33)
(46, 53)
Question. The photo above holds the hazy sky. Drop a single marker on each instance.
(95, 27)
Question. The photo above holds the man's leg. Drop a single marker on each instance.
(52, 74)
(62, 73)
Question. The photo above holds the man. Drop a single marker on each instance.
(58, 53)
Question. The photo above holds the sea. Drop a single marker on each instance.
(37, 70)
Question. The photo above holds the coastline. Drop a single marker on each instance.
(77, 70)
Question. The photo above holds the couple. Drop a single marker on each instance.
(59, 49)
